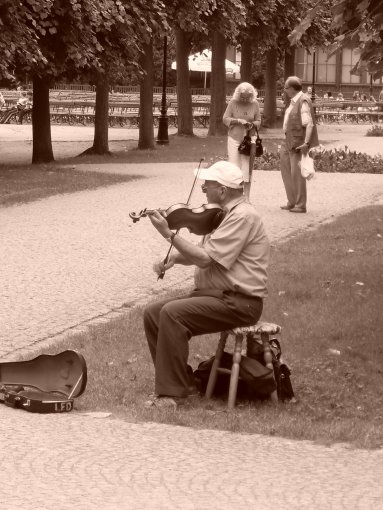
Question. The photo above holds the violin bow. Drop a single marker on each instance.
(162, 273)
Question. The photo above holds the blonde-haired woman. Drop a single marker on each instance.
(242, 113)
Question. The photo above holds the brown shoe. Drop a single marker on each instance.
(298, 209)
(287, 207)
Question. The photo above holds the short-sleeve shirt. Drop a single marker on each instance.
(240, 250)
(22, 102)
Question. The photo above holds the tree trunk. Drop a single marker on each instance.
(218, 85)
(41, 122)
(289, 62)
(184, 97)
(146, 128)
(247, 61)
(270, 105)
(100, 140)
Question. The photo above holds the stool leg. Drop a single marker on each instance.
(267, 356)
(235, 371)
(217, 361)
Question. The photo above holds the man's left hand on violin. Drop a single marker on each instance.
(159, 223)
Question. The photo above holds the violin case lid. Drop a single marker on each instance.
(49, 379)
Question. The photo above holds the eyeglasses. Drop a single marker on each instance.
(205, 188)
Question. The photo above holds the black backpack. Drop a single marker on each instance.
(256, 381)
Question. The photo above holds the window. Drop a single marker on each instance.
(349, 59)
(324, 66)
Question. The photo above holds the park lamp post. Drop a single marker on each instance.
(313, 78)
(162, 135)
(313, 82)
(371, 86)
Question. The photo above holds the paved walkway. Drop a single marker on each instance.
(71, 259)
(76, 462)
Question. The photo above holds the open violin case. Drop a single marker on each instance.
(46, 384)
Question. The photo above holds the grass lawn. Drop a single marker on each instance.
(21, 184)
(179, 149)
(326, 290)
(26, 184)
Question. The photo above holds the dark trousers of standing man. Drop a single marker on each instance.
(295, 184)
(169, 325)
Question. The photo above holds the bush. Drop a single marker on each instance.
(268, 161)
(331, 160)
(375, 131)
(344, 160)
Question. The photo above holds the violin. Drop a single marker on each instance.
(198, 220)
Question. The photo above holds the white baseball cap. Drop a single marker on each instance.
(224, 172)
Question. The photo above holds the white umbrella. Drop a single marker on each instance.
(202, 62)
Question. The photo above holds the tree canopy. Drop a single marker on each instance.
(56, 38)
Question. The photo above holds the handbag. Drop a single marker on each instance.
(258, 145)
(245, 146)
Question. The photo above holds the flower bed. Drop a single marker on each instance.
(330, 160)
(375, 130)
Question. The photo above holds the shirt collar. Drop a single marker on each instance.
(296, 97)
(233, 203)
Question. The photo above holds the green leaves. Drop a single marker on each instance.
(55, 37)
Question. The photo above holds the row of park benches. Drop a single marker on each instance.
(122, 114)
(125, 113)
(348, 111)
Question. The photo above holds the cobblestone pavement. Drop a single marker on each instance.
(78, 462)
(69, 259)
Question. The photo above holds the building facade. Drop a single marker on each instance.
(333, 73)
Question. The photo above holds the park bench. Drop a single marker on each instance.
(124, 114)
(348, 111)
(121, 113)
(200, 112)
(7, 113)
(72, 112)
(12, 114)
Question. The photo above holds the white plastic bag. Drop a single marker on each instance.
(307, 167)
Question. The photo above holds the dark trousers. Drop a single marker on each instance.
(169, 325)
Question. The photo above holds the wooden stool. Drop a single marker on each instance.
(264, 329)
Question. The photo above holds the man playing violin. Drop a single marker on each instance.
(230, 283)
